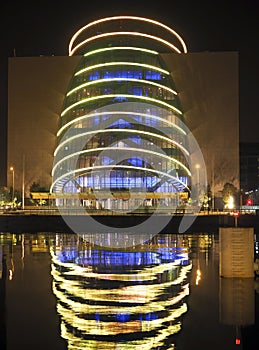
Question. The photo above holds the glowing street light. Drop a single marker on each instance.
(12, 170)
(231, 202)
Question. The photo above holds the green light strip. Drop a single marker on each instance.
(120, 48)
(99, 81)
(145, 98)
(122, 63)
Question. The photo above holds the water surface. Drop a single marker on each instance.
(58, 291)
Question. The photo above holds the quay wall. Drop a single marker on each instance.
(56, 223)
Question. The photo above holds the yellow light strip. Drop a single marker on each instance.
(145, 98)
(99, 167)
(120, 48)
(122, 63)
(99, 81)
(143, 19)
(134, 131)
(96, 37)
(91, 115)
(122, 148)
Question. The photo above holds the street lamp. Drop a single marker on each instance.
(12, 170)
(197, 166)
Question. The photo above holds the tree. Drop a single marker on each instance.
(229, 191)
(36, 187)
(5, 195)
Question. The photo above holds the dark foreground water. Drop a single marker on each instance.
(58, 291)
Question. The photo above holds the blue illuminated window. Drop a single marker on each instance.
(94, 76)
(137, 91)
(136, 161)
(106, 160)
(152, 75)
(122, 124)
(135, 139)
(107, 75)
(119, 99)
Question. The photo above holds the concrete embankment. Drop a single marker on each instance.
(67, 224)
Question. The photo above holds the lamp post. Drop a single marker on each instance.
(197, 166)
(23, 187)
(12, 170)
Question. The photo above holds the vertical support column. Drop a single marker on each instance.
(236, 252)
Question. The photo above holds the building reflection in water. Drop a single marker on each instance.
(131, 298)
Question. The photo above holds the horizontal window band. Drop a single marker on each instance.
(142, 81)
(121, 63)
(121, 149)
(92, 115)
(109, 96)
(100, 167)
(126, 131)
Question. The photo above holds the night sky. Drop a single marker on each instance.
(45, 28)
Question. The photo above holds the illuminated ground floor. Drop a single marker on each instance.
(114, 200)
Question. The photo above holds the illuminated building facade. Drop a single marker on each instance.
(122, 128)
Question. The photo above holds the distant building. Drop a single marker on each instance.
(48, 95)
(249, 172)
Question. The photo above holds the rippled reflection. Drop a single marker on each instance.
(124, 299)
(58, 291)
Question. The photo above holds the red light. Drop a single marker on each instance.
(236, 213)
(249, 201)
(238, 341)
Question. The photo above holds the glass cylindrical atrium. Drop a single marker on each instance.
(121, 128)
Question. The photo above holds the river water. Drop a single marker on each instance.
(60, 291)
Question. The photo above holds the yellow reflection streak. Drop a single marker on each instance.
(143, 275)
(198, 277)
(146, 294)
(114, 328)
(142, 344)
